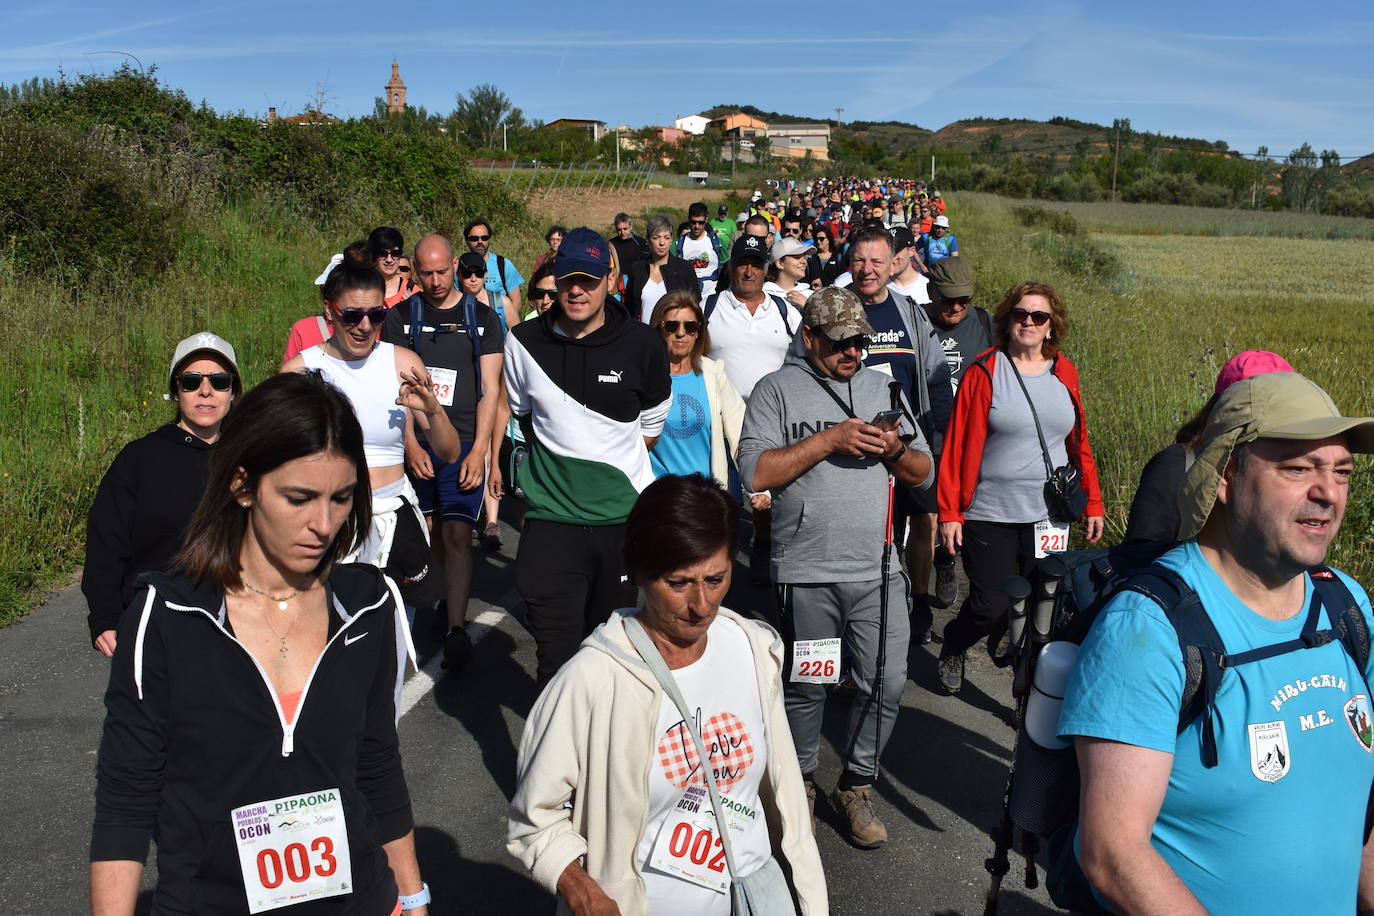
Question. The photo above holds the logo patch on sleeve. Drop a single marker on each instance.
(1270, 758)
(1357, 716)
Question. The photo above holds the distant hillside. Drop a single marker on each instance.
(1360, 168)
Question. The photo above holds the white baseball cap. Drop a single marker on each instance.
(787, 246)
(204, 342)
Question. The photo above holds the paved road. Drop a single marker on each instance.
(941, 790)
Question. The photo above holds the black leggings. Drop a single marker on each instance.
(993, 552)
(570, 579)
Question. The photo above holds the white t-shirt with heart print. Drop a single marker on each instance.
(722, 688)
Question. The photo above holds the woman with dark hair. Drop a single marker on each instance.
(146, 497)
(1154, 508)
(250, 726)
(555, 238)
(660, 273)
(1017, 414)
(585, 820)
(824, 264)
(367, 370)
(388, 248)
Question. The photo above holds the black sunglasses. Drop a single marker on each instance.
(190, 381)
(1019, 315)
(390, 253)
(352, 317)
(404, 268)
(697, 222)
(478, 238)
(839, 346)
(691, 327)
(466, 272)
(539, 293)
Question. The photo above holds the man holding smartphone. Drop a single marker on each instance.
(808, 438)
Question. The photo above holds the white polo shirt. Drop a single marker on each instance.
(750, 346)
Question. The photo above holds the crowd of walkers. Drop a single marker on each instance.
(809, 384)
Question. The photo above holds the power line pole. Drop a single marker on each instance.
(1116, 157)
(839, 117)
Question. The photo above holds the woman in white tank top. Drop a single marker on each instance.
(368, 371)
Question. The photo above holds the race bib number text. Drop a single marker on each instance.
(444, 381)
(293, 849)
(689, 846)
(1050, 537)
(816, 661)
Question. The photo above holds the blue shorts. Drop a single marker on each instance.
(442, 493)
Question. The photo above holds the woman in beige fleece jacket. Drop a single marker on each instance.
(610, 810)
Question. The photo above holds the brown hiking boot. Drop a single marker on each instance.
(811, 802)
(866, 829)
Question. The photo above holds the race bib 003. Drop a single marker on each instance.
(444, 381)
(293, 849)
(816, 661)
(1050, 537)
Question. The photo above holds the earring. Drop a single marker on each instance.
(245, 505)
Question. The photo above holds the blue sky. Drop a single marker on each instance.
(1248, 73)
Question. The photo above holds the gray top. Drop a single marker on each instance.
(828, 523)
(1011, 479)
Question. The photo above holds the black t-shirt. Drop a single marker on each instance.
(441, 349)
(963, 341)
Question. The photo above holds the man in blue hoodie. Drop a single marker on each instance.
(809, 438)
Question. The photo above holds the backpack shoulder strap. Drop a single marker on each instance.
(1199, 643)
(416, 314)
(781, 303)
(710, 306)
(501, 271)
(474, 338)
(1343, 611)
(986, 321)
(323, 327)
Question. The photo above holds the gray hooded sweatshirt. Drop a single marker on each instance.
(828, 524)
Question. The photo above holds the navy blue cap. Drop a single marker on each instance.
(583, 251)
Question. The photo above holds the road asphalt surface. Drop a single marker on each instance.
(941, 788)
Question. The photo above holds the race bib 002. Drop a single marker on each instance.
(816, 661)
(293, 849)
(688, 844)
(444, 381)
(1050, 537)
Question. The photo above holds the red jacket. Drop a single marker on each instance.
(968, 430)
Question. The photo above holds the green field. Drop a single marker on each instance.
(1166, 219)
(1153, 318)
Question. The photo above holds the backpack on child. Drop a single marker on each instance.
(1047, 621)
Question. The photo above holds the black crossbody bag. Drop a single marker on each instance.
(1064, 496)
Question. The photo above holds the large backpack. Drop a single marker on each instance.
(469, 325)
(1041, 799)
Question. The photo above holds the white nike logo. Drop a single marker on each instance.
(350, 640)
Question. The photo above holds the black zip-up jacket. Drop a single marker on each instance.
(193, 730)
(678, 275)
(138, 517)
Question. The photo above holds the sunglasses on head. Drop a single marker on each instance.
(390, 253)
(190, 381)
(1019, 315)
(541, 293)
(466, 272)
(352, 317)
(691, 327)
(478, 238)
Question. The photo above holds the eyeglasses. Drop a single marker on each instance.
(697, 222)
(858, 341)
(466, 272)
(478, 238)
(795, 230)
(390, 253)
(190, 381)
(544, 293)
(353, 317)
(404, 268)
(670, 327)
(1019, 315)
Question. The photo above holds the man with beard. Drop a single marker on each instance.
(808, 437)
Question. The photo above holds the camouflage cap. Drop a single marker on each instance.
(836, 313)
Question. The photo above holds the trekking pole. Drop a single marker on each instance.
(882, 625)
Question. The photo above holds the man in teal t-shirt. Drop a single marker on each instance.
(1277, 826)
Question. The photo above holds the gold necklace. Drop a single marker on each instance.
(282, 650)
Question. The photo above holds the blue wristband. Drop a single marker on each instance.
(415, 900)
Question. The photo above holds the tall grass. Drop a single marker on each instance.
(1170, 219)
(1150, 334)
